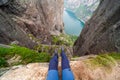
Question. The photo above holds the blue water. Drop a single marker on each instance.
(72, 24)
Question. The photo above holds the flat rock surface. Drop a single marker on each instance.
(38, 71)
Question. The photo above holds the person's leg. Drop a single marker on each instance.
(66, 71)
(53, 68)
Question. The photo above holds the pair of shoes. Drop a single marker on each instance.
(56, 51)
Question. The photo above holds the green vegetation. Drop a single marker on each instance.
(3, 62)
(34, 38)
(114, 55)
(26, 56)
(63, 39)
(49, 48)
(57, 41)
(103, 60)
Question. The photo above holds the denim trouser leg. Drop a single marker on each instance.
(66, 71)
(53, 69)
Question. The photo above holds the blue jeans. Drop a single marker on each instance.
(53, 68)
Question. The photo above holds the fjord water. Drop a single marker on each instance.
(72, 24)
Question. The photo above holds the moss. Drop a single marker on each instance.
(103, 60)
(38, 48)
(27, 55)
(46, 48)
(114, 55)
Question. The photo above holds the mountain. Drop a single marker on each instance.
(101, 33)
(82, 8)
(71, 4)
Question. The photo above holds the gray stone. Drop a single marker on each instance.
(38, 18)
(3, 71)
(5, 46)
(15, 43)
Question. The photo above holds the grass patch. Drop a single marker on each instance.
(63, 39)
(26, 55)
(3, 62)
(114, 55)
(105, 61)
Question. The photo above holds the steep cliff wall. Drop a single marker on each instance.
(22, 20)
(102, 31)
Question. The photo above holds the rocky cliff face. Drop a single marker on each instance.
(23, 20)
(102, 31)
